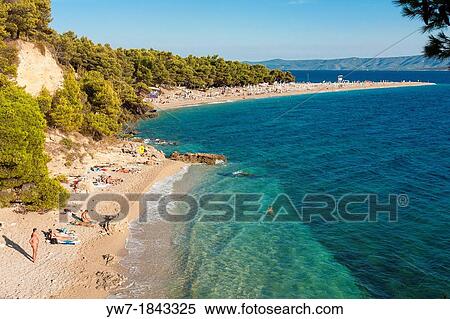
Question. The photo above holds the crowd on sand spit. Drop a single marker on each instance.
(96, 179)
(181, 94)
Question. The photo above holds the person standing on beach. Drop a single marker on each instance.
(34, 242)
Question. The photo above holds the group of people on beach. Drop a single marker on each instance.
(184, 94)
(52, 235)
(181, 94)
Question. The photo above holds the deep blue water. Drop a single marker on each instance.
(390, 141)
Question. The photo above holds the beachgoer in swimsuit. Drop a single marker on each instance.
(34, 242)
(85, 217)
(57, 236)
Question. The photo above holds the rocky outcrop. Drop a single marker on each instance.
(199, 158)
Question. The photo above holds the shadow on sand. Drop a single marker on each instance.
(9, 243)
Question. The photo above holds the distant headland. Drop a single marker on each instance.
(403, 63)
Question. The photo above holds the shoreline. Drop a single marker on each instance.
(176, 98)
(78, 272)
(115, 244)
(150, 256)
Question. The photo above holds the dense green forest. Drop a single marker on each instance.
(102, 91)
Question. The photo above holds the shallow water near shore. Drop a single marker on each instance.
(390, 141)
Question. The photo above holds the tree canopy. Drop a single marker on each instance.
(66, 111)
(158, 68)
(22, 156)
(103, 117)
(435, 15)
(103, 89)
(3, 17)
(27, 18)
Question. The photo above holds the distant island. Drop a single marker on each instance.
(404, 63)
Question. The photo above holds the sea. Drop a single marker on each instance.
(379, 142)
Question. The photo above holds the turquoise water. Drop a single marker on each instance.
(392, 141)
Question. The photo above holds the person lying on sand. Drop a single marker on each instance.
(84, 220)
(85, 217)
(34, 242)
(52, 235)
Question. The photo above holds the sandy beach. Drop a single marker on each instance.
(182, 97)
(77, 271)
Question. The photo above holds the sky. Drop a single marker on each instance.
(250, 30)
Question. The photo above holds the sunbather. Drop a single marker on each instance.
(79, 221)
(85, 217)
(54, 237)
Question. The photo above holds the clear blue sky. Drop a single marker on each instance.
(244, 29)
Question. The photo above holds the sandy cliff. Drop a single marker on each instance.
(37, 68)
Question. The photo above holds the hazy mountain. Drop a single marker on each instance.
(405, 63)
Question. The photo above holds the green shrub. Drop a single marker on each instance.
(67, 143)
(22, 157)
(103, 104)
(100, 125)
(70, 159)
(8, 59)
(45, 195)
(67, 108)
(6, 198)
(62, 178)
(3, 17)
(45, 100)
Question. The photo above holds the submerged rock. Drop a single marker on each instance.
(199, 158)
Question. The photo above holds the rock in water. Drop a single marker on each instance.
(199, 158)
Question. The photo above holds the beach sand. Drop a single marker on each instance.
(181, 97)
(91, 256)
(76, 271)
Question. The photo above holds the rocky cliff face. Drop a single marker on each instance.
(37, 68)
(199, 158)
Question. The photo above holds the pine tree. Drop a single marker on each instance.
(22, 158)
(45, 100)
(3, 17)
(104, 111)
(22, 19)
(27, 18)
(8, 57)
(66, 112)
(435, 15)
